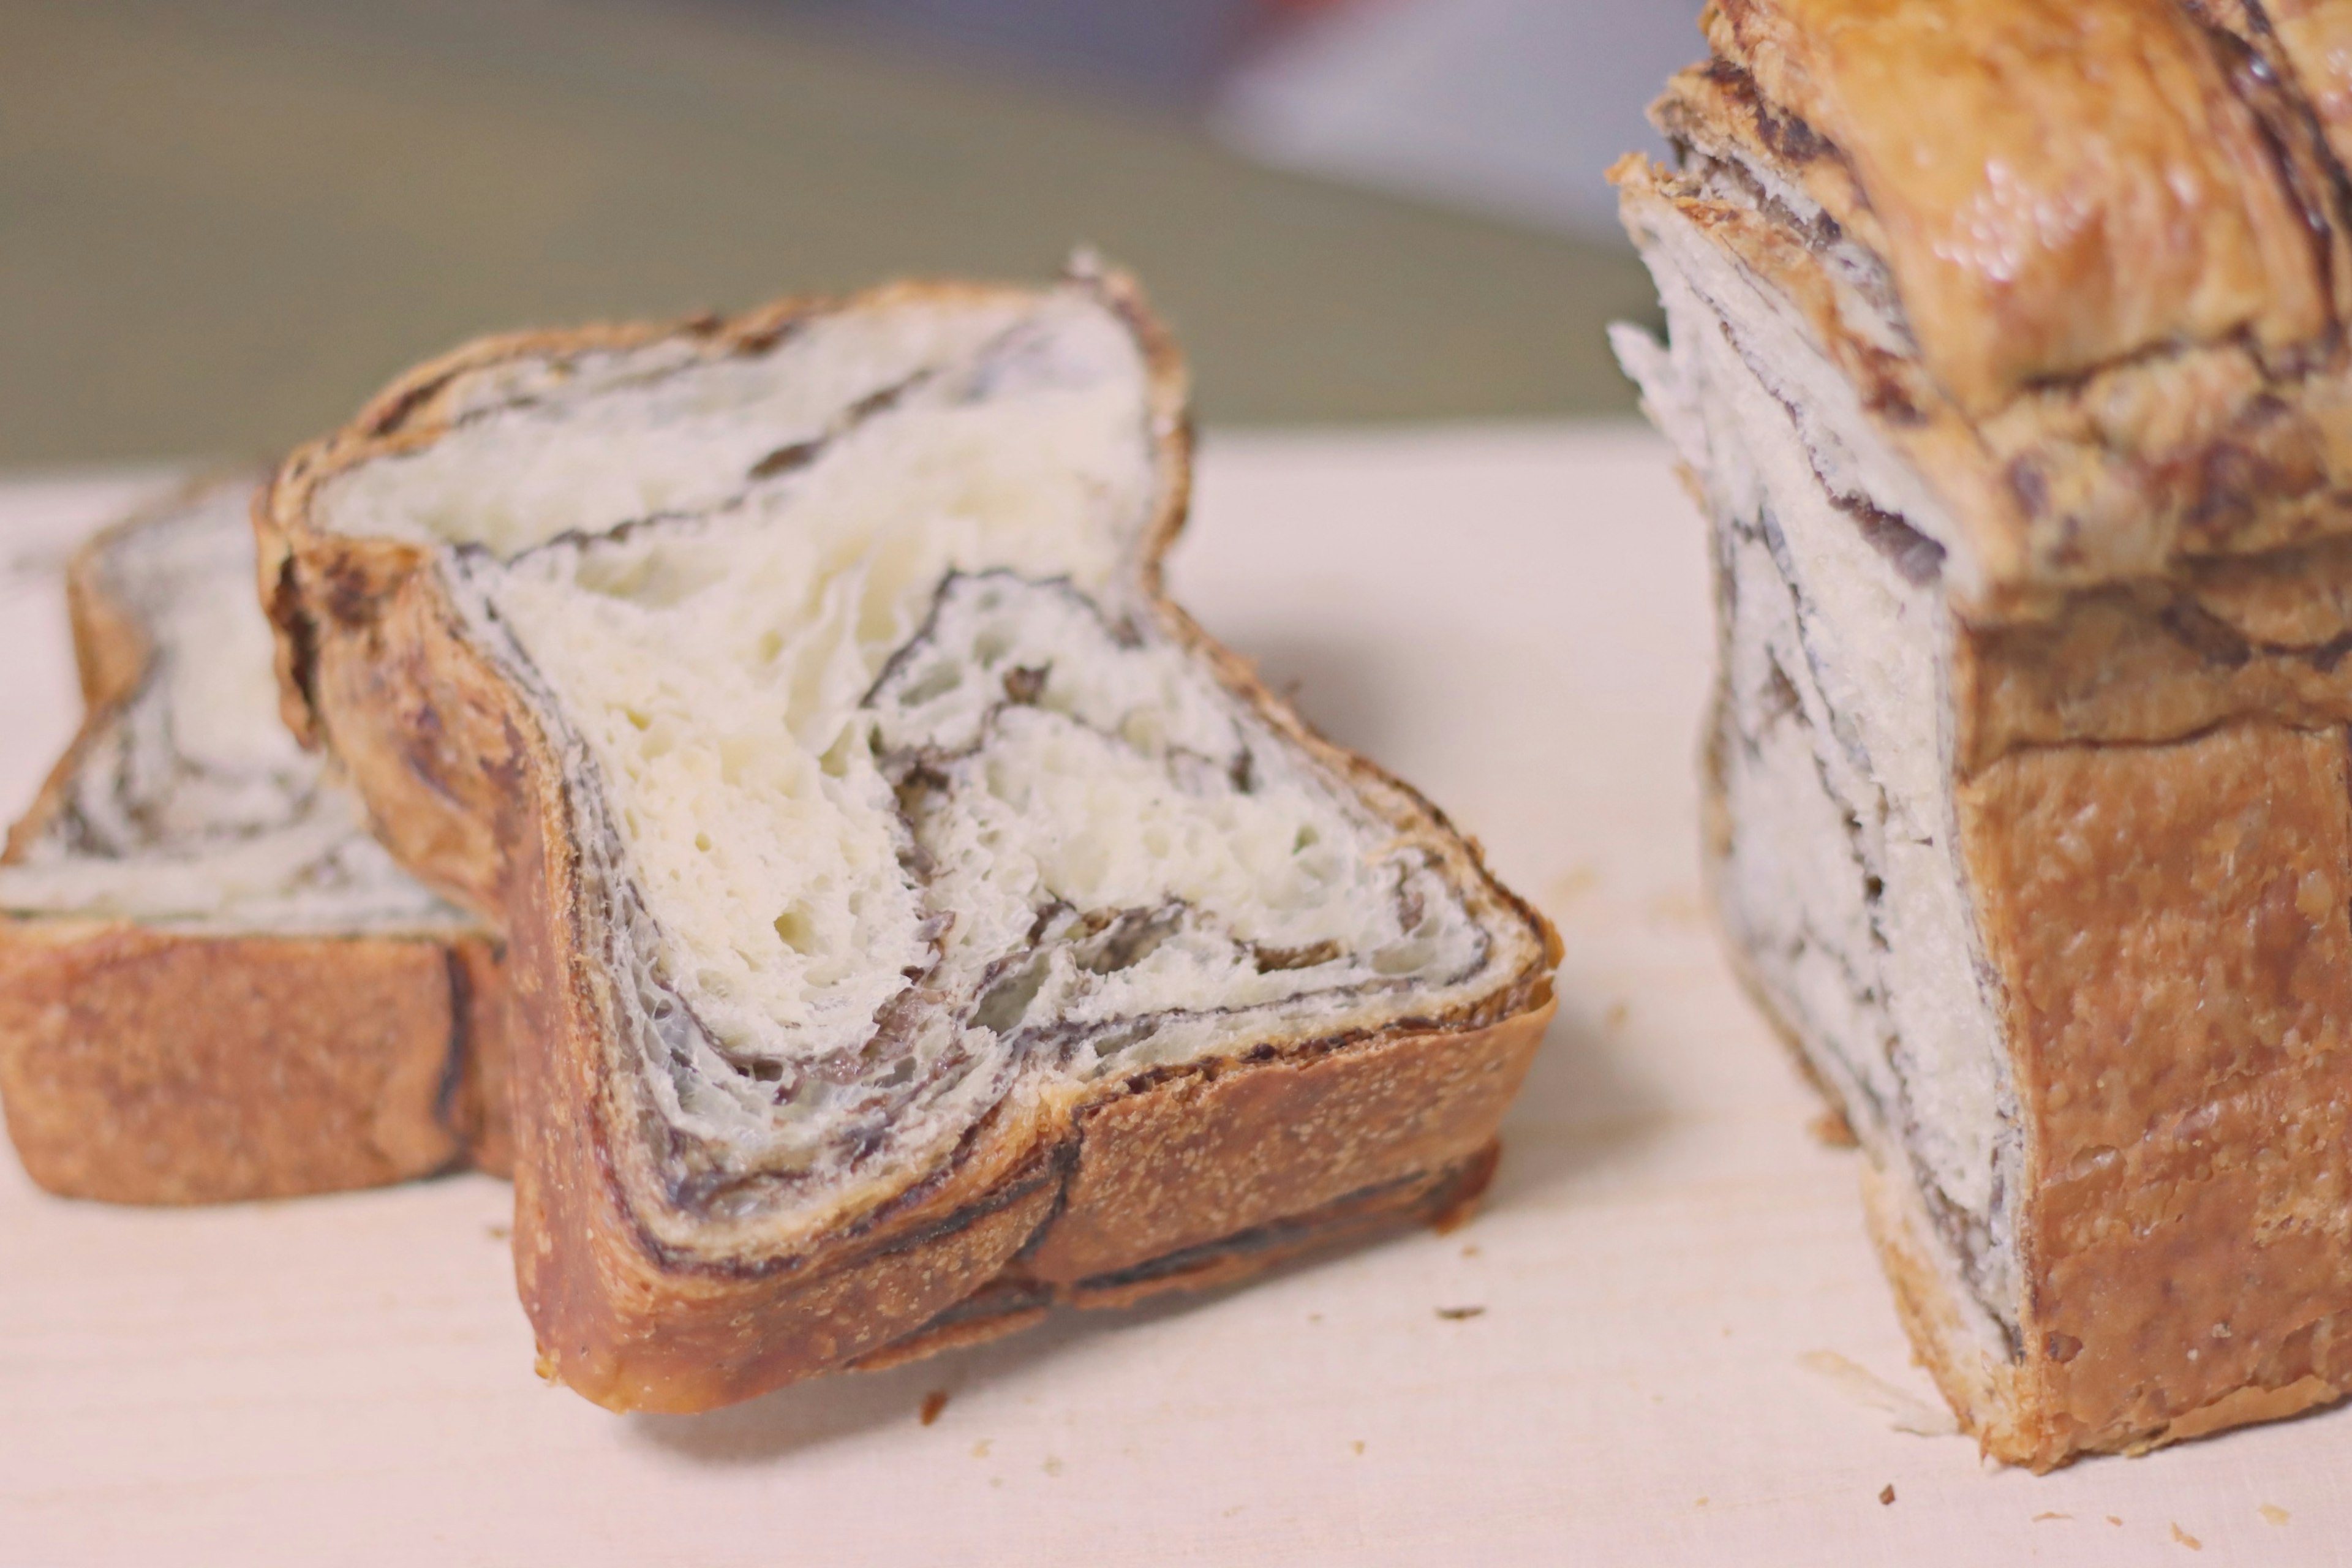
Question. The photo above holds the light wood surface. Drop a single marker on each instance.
(1515, 620)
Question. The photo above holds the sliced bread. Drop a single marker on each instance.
(916, 919)
(214, 984)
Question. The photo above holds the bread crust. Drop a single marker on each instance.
(2186, 1078)
(1276, 1138)
(2187, 1250)
(2155, 659)
(2159, 378)
(1016, 1298)
(1999, 148)
(468, 790)
(143, 1065)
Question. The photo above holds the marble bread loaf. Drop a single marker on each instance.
(915, 920)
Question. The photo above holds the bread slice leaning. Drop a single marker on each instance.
(915, 918)
(214, 984)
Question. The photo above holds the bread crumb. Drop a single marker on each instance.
(2187, 1540)
(1456, 1314)
(1052, 1466)
(1471, 1250)
(1887, 1494)
(1615, 1017)
(500, 1232)
(2114, 1520)
(933, 1403)
(2045, 1517)
(1833, 1130)
(1357, 1445)
(1458, 1212)
(1701, 1503)
(2273, 1514)
(979, 1450)
(1314, 1317)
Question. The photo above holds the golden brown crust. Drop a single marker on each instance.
(2135, 469)
(2169, 926)
(481, 1111)
(2163, 659)
(1248, 1144)
(158, 1068)
(2186, 1246)
(468, 792)
(1016, 1300)
(2077, 412)
(992, 1319)
(1440, 1199)
(2168, 923)
(2057, 183)
(2314, 37)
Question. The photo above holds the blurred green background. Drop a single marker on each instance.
(222, 224)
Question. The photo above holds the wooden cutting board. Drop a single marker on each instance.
(1665, 1340)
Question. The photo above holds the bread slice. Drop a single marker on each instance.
(214, 984)
(2005, 350)
(904, 898)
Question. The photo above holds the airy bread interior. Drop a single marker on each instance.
(187, 804)
(900, 795)
(1838, 869)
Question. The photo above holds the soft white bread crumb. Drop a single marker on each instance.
(1841, 879)
(190, 805)
(907, 797)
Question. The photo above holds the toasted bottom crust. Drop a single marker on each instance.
(1017, 1300)
(1285, 1153)
(1996, 1399)
(146, 1067)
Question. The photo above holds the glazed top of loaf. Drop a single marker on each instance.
(2058, 183)
(2085, 263)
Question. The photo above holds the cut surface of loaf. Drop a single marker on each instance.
(907, 896)
(2029, 820)
(214, 984)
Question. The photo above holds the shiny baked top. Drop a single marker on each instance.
(2058, 184)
